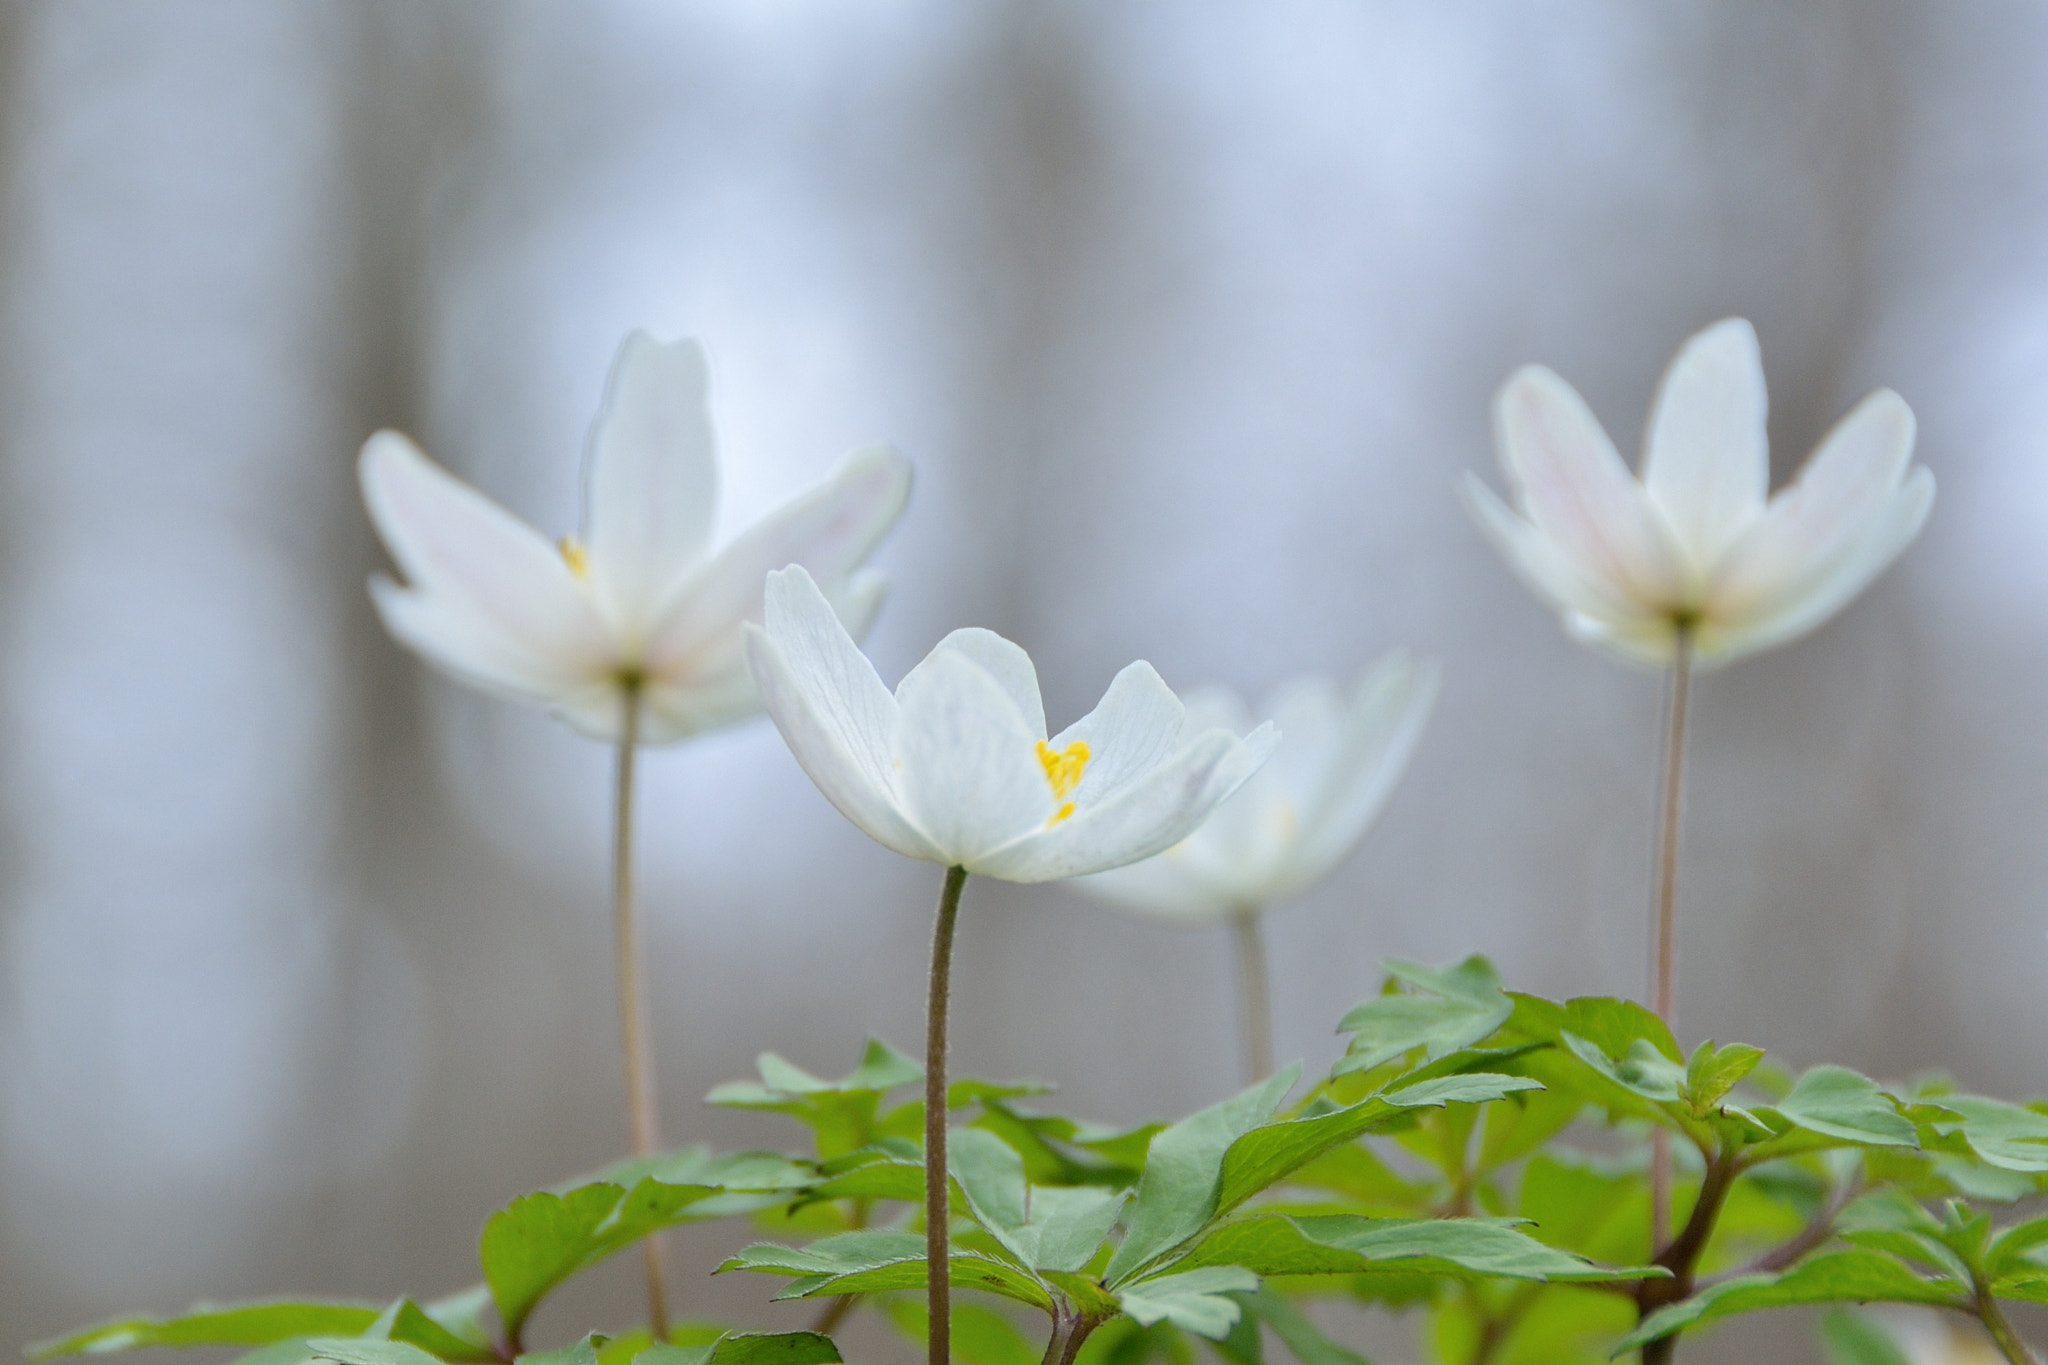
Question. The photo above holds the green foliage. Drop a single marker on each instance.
(249, 1324)
(1853, 1339)
(748, 1348)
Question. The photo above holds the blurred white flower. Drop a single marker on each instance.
(637, 601)
(1694, 546)
(955, 767)
(1301, 814)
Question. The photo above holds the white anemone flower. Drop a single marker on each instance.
(1301, 814)
(956, 767)
(1693, 549)
(636, 604)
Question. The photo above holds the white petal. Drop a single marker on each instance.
(1136, 726)
(1573, 487)
(1379, 734)
(488, 596)
(1885, 538)
(1151, 814)
(1214, 708)
(971, 775)
(831, 707)
(830, 530)
(650, 479)
(1708, 464)
(1003, 660)
(1171, 886)
(1820, 520)
(1560, 581)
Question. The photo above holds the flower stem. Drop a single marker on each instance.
(937, 1217)
(2002, 1335)
(1664, 921)
(1254, 1000)
(640, 1103)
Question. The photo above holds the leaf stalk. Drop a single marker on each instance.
(642, 1111)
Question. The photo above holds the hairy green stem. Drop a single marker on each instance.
(937, 1217)
(1255, 995)
(1664, 910)
(1069, 1333)
(2002, 1334)
(641, 1110)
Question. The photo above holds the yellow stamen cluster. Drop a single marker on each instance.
(1063, 773)
(574, 556)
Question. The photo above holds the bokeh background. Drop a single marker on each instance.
(1189, 316)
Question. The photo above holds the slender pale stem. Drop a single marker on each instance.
(1254, 994)
(641, 1111)
(2002, 1335)
(937, 1217)
(1664, 913)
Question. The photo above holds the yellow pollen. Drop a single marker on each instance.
(574, 557)
(1063, 773)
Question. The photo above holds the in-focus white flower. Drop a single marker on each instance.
(1300, 815)
(637, 600)
(1694, 546)
(956, 768)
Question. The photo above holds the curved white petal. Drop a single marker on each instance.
(815, 660)
(971, 776)
(1884, 539)
(830, 529)
(1175, 887)
(1574, 488)
(1707, 465)
(1381, 728)
(486, 595)
(650, 480)
(1546, 571)
(1151, 814)
(1003, 660)
(1651, 643)
(1138, 724)
(833, 752)
(1817, 521)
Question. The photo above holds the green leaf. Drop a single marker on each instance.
(1297, 1331)
(361, 1351)
(1520, 1124)
(1640, 1068)
(841, 1113)
(1713, 1072)
(1177, 1194)
(1614, 1026)
(1841, 1277)
(1853, 1339)
(872, 1261)
(1590, 1210)
(1839, 1103)
(1194, 1301)
(1344, 1244)
(462, 1315)
(406, 1321)
(540, 1240)
(2007, 1136)
(1273, 1151)
(1462, 1005)
(248, 1324)
(748, 1348)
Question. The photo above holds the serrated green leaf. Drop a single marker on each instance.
(1462, 1005)
(1714, 1071)
(1839, 1277)
(748, 1348)
(1051, 1227)
(1577, 1205)
(1177, 1193)
(1297, 1331)
(1853, 1339)
(1613, 1026)
(1343, 1244)
(1641, 1068)
(1839, 1103)
(2011, 1249)
(1271, 1152)
(536, 1242)
(361, 1351)
(582, 1352)
(205, 1324)
(1195, 1301)
(872, 1261)
(406, 1321)
(2007, 1136)
(1521, 1123)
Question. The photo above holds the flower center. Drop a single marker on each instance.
(1063, 769)
(574, 556)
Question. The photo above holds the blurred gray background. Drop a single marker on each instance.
(1189, 315)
